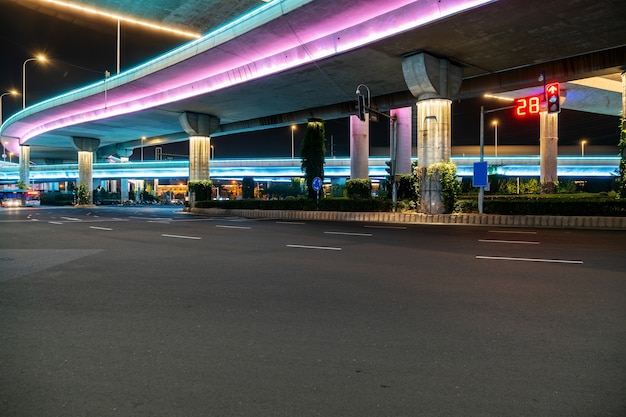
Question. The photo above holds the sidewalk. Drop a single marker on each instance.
(564, 222)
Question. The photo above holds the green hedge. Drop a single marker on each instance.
(57, 198)
(326, 204)
(557, 207)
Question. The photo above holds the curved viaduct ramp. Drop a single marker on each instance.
(291, 60)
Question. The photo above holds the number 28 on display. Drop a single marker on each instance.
(526, 106)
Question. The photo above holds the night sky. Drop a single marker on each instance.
(81, 53)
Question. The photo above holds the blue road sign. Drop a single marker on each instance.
(480, 175)
(317, 184)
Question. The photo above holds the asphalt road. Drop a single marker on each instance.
(153, 312)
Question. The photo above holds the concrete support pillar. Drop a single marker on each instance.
(434, 81)
(25, 165)
(86, 148)
(403, 139)
(359, 147)
(85, 172)
(124, 190)
(548, 150)
(434, 131)
(199, 127)
(199, 157)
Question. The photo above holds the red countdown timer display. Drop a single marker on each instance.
(527, 106)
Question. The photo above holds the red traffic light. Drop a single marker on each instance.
(553, 98)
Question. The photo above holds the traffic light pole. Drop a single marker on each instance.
(481, 191)
(362, 108)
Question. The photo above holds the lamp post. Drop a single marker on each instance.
(495, 138)
(8, 93)
(481, 192)
(582, 147)
(293, 153)
(38, 58)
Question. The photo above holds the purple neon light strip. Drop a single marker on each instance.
(369, 22)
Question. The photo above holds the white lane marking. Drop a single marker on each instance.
(519, 232)
(74, 219)
(520, 242)
(182, 237)
(387, 227)
(349, 234)
(159, 221)
(100, 228)
(233, 227)
(503, 258)
(55, 222)
(313, 247)
(290, 223)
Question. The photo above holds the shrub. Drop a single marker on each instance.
(202, 188)
(450, 186)
(83, 195)
(359, 188)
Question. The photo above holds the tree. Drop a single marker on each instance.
(247, 187)
(312, 154)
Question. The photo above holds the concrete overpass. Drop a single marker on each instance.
(293, 59)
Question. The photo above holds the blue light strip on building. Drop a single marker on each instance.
(286, 168)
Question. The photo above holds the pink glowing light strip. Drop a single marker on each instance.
(370, 21)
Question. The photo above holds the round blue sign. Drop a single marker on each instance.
(317, 184)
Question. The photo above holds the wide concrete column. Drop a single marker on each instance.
(433, 81)
(403, 139)
(548, 150)
(86, 147)
(199, 127)
(359, 147)
(199, 158)
(25, 165)
(434, 140)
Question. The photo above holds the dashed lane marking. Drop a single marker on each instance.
(554, 261)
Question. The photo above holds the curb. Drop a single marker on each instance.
(558, 222)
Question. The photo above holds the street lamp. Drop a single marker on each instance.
(495, 140)
(8, 93)
(293, 128)
(582, 147)
(37, 58)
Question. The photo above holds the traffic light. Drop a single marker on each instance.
(390, 169)
(553, 98)
(360, 107)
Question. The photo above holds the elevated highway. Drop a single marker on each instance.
(289, 60)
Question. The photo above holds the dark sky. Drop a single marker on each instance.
(81, 53)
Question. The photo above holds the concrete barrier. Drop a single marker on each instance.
(559, 222)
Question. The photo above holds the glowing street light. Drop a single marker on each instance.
(582, 147)
(293, 127)
(8, 93)
(120, 19)
(37, 58)
(495, 140)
